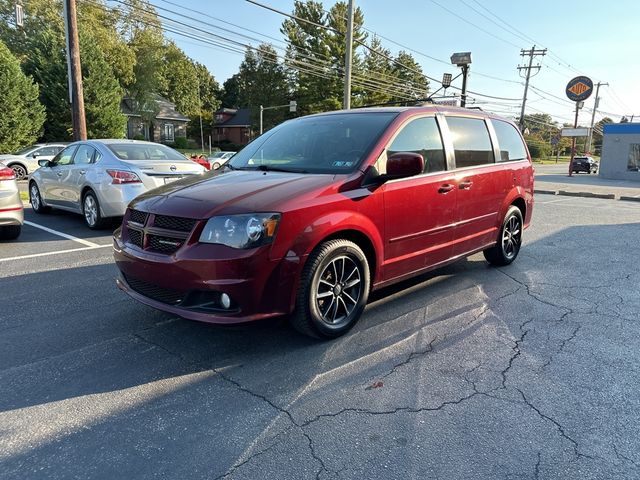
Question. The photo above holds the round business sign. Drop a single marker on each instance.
(579, 89)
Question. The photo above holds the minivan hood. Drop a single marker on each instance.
(229, 192)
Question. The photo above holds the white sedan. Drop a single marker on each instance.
(24, 162)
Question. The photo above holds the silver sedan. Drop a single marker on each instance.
(11, 211)
(98, 178)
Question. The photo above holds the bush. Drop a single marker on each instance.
(181, 142)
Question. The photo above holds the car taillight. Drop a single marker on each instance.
(7, 173)
(122, 176)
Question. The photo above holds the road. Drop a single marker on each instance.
(469, 372)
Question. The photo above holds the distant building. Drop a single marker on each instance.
(166, 126)
(621, 151)
(233, 126)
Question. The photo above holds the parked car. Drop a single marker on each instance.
(314, 214)
(98, 178)
(220, 158)
(24, 162)
(584, 164)
(11, 210)
(201, 160)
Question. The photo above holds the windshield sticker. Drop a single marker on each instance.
(342, 164)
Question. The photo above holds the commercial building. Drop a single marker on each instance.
(621, 151)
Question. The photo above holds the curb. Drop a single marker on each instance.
(546, 192)
(629, 199)
(609, 196)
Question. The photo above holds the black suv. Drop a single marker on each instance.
(584, 164)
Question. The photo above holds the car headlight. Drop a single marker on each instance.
(241, 231)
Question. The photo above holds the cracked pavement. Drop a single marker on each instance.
(469, 372)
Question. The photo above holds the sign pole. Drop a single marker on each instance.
(573, 142)
(578, 90)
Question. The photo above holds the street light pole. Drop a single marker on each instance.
(596, 103)
(261, 111)
(348, 59)
(463, 101)
(462, 60)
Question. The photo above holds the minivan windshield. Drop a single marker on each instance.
(144, 151)
(334, 143)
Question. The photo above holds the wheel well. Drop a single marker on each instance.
(362, 241)
(18, 163)
(519, 202)
(84, 192)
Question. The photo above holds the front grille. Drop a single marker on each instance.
(137, 216)
(174, 223)
(135, 237)
(164, 295)
(161, 244)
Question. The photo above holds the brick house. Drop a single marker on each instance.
(167, 125)
(233, 125)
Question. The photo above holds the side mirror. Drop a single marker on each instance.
(404, 164)
(43, 163)
(35, 154)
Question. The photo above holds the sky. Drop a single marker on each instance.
(596, 39)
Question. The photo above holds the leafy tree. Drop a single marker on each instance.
(411, 80)
(102, 92)
(181, 83)
(597, 135)
(21, 114)
(231, 92)
(379, 68)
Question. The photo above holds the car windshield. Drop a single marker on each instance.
(24, 151)
(144, 151)
(334, 143)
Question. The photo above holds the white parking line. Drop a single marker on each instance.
(44, 254)
(63, 235)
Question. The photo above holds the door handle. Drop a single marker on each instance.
(59, 174)
(466, 185)
(446, 188)
(82, 172)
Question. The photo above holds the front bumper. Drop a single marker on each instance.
(188, 282)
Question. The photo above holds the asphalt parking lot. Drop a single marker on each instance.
(469, 372)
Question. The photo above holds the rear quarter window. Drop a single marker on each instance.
(511, 144)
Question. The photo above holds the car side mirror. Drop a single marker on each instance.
(404, 164)
(35, 154)
(43, 163)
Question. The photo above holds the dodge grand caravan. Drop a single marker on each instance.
(313, 215)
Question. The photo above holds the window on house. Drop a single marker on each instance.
(169, 132)
(634, 158)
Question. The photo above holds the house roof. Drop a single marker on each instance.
(241, 118)
(166, 109)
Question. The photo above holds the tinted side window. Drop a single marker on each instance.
(421, 136)
(471, 141)
(511, 146)
(84, 155)
(65, 156)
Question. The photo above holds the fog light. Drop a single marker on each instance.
(225, 300)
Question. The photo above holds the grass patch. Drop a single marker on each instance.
(24, 196)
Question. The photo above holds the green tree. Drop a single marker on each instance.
(102, 92)
(21, 114)
(181, 82)
(379, 68)
(411, 82)
(231, 92)
(597, 134)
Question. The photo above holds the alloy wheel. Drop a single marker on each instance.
(339, 290)
(35, 197)
(19, 171)
(511, 237)
(90, 210)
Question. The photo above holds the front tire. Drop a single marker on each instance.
(19, 171)
(91, 211)
(333, 292)
(36, 199)
(10, 232)
(215, 166)
(509, 239)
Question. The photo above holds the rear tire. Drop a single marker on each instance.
(91, 211)
(509, 239)
(10, 232)
(333, 292)
(36, 199)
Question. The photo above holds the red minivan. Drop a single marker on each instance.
(316, 213)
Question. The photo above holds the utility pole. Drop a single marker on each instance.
(596, 102)
(531, 54)
(76, 96)
(348, 59)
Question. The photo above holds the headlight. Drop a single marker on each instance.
(241, 231)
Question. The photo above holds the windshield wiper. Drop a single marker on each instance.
(271, 168)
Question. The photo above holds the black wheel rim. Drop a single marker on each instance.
(511, 237)
(339, 290)
(19, 172)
